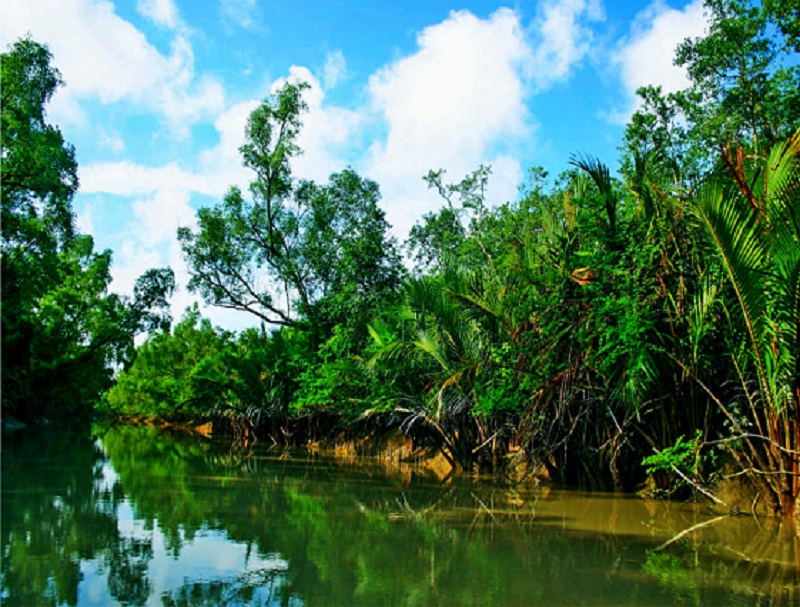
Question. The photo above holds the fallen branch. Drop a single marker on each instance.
(482, 505)
(761, 472)
(705, 492)
(486, 442)
(685, 532)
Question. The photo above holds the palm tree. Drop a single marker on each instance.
(752, 219)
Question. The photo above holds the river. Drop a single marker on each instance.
(145, 516)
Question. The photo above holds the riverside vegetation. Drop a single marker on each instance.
(604, 328)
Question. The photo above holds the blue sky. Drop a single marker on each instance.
(158, 91)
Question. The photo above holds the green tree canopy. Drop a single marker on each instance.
(62, 331)
(293, 251)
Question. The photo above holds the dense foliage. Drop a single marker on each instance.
(593, 323)
(63, 332)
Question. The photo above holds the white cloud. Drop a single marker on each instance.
(562, 38)
(507, 174)
(126, 178)
(113, 143)
(646, 56)
(450, 99)
(334, 70)
(447, 106)
(130, 263)
(242, 12)
(102, 56)
(160, 12)
(84, 219)
(223, 163)
(220, 166)
(159, 216)
(461, 100)
(157, 219)
(65, 109)
(324, 139)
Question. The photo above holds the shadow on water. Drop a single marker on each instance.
(148, 516)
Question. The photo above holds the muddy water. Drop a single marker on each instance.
(136, 516)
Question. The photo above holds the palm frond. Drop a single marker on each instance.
(440, 351)
(700, 312)
(736, 233)
(602, 179)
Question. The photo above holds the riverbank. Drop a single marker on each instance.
(397, 452)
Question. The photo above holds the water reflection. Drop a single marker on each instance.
(147, 517)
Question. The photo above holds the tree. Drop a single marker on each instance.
(294, 252)
(752, 220)
(786, 15)
(453, 235)
(434, 241)
(744, 83)
(62, 332)
(745, 89)
(245, 250)
(145, 389)
(352, 261)
(40, 173)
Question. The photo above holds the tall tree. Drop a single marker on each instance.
(40, 173)
(745, 83)
(62, 331)
(352, 261)
(293, 250)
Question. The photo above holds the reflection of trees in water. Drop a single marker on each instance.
(127, 571)
(345, 537)
(753, 558)
(353, 535)
(57, 511)
(264, 588)
(348, 537)
(155, 467)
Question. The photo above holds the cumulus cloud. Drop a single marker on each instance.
(84, 219)
(562, 38)
(160, 12)
(327, 134)
(157, 219)
(222, 164)
(646, 56)
(219, 167)
(130, 262)
(127, 178)
(460, 90)
(111, 142)
(104, 57)
(159, 216)
(447, 105)
(460, 100)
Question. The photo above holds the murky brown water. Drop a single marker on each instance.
(141, 517)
